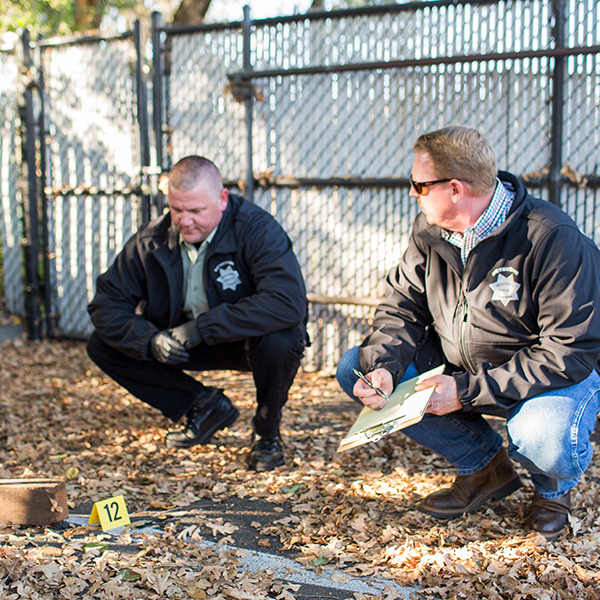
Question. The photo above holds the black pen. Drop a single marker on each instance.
(377, 390)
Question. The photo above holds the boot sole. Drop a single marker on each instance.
(227, 421)
(262, 466)
(504, 490)
(551, 536)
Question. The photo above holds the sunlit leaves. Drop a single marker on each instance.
(48, 18)
(354, 512)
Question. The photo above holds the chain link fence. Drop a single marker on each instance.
(581, 124)
(313, 118)
(202, 116)
(361, 117)
(10, 224)
(92, 167)
(338, 100)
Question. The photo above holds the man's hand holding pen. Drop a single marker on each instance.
(380, 380)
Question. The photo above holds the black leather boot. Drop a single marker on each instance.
(266, 454)
(211, 411)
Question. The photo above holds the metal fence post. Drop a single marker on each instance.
(31, 233)
(558, 7)
(249, 100)
(142, 116)
(50, 319)
(157, 88)
(157, 106)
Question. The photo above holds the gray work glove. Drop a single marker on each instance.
(187, 334)
(167, 350)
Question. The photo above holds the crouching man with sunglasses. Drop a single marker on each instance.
(503, 288)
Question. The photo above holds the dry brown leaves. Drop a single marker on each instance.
(61, 417)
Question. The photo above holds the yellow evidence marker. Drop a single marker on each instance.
(111, 513)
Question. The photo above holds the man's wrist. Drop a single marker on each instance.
(187, 334)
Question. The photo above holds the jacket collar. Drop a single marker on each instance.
(224, 239)
(513, 184)
(518, 206)
(431, 234)
(173, 238)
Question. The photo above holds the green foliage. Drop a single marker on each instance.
(45, 17)
(62, 17)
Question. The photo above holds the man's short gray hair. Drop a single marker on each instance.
(461, 153)
(186, 174)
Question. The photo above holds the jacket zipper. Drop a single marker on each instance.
(462, 342)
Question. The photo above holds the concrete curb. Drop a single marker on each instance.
(10, 332)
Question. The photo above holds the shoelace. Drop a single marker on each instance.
(268, 444)
(197, 408)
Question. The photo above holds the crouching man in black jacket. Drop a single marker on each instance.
(211, 284)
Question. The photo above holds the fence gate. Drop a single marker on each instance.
(11, 230)
(94, 136)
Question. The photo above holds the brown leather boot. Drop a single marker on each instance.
(549, 516)
(468, 492)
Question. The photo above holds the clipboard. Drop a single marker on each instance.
(405, 407)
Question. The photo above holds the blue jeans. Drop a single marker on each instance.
(548, 434)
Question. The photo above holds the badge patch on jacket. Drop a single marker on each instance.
(505, 287)
(228, 277)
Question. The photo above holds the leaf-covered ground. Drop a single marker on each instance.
(62, 418)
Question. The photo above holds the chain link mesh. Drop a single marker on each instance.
(347, 124)
(361, 124)
(345, 240)
(403, 33)
(581, 129)
(203, 116)
(364, 124)
(10, 223)
(93, 168)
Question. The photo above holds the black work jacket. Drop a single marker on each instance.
(519, 318)
(252, 280)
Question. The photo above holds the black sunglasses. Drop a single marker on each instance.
(419, 185)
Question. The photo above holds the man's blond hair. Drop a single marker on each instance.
(461, 153)
(190, 170)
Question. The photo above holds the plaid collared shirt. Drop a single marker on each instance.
(493, 216)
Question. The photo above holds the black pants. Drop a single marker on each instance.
(273, 359)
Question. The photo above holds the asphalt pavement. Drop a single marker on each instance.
(9, 332)
(262, 552)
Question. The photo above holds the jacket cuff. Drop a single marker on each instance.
(393, 369)
(204, 329)
(462, 389)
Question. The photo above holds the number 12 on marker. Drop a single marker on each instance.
(111, 513)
